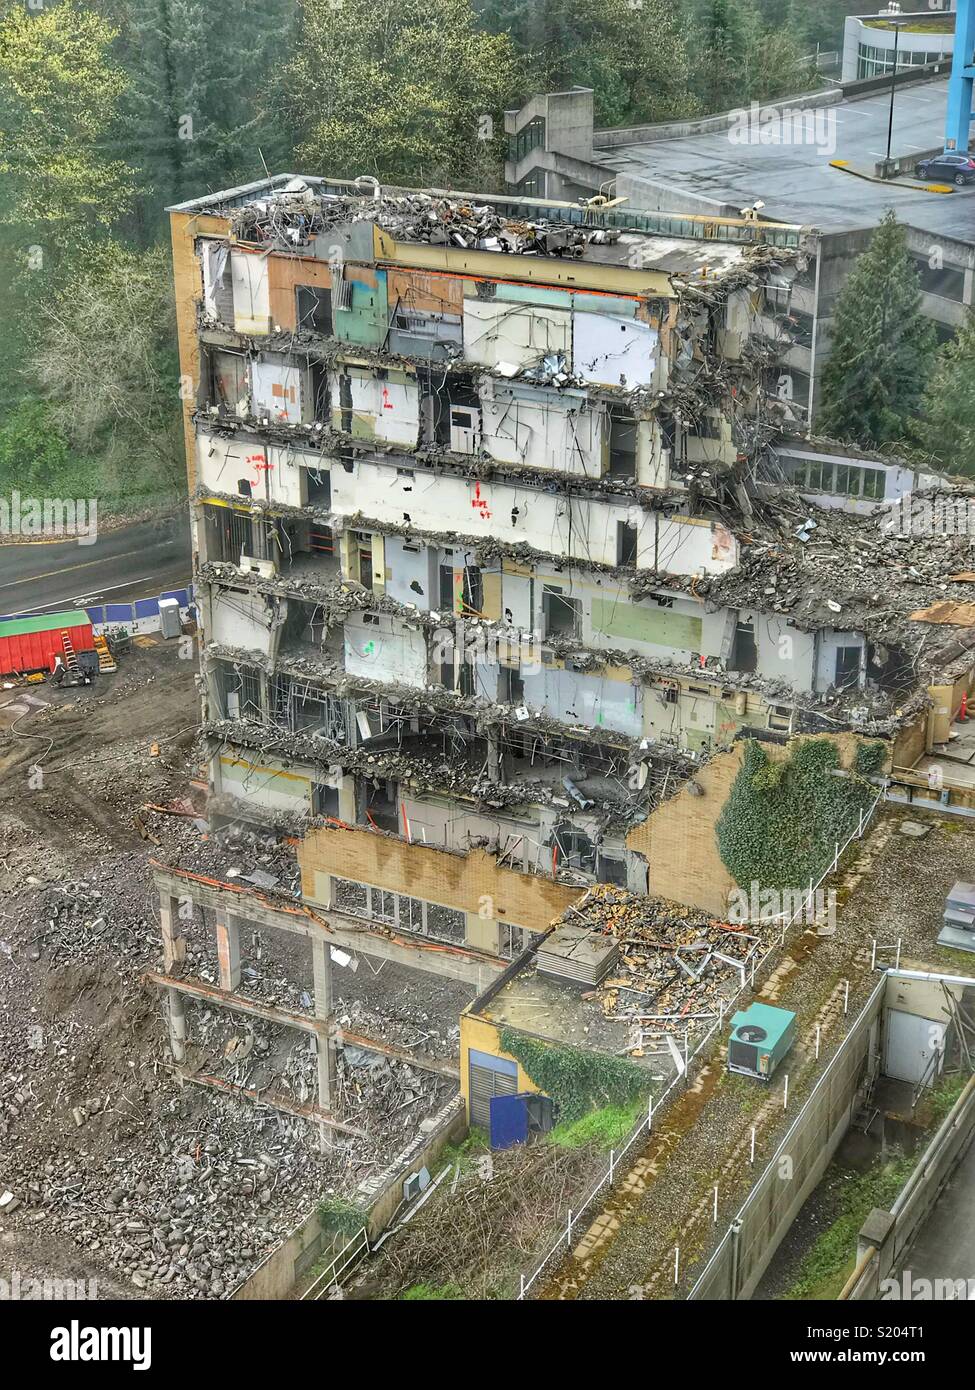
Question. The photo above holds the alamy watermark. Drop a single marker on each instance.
(755, 905)
(50, 517)
(20, 1288)
(913, 1290)
(918, 515)
(783, 125)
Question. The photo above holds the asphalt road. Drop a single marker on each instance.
(132, 562)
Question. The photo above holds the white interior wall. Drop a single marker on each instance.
(580, 527)
(613, 351)
(252, 306)
(519, 334)
(241, 618)
(386, 650)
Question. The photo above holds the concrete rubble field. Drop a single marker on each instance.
(109, 1170)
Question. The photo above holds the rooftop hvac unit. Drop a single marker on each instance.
(577, 956)
(760, 1038)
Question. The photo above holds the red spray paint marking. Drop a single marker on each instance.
(479, 503)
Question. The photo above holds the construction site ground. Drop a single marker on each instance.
(109, 1169)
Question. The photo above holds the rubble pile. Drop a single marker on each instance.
(401, 1024)
(829, 568)
(296, 215)
(191, 1213)
(674, 961)
(104, 1159)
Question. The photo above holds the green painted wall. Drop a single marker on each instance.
(662, 626)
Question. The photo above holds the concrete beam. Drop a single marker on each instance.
(201, 989)
(303, 1112)
(399, 1054)
(307, 1023)
(462, 963)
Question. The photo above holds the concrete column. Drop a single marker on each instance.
(322, 967)
(493, 755)
(174, 943)
(228, 953)
(482, 933)
(177, 1025)
(347, 799)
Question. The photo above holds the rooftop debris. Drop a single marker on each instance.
(675, 963)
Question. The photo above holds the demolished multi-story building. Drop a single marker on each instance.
(493, 550)
(458, 481)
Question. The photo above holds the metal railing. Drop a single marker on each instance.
(644, 1128)
(349, 1255)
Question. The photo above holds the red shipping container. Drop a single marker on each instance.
(31, 644)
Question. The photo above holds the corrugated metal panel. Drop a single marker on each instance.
(485, 1083)
(44, 622)
(24, 649)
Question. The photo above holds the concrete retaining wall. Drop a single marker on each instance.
(707, 125)
(309, 1243)
(896, 1229)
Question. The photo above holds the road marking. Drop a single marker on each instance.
(88, 601)
(66, 569)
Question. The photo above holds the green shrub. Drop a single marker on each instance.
(577, 1081)
(783, 819)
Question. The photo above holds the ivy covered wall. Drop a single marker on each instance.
(577, 1081)
(783, 818)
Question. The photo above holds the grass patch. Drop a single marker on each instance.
(831, 1260)
(604, 1128)
(466, 1153)
(422, 1293)
(748, 1093)
(939, 1100)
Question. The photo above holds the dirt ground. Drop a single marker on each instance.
(110, 1171)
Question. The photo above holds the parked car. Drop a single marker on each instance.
(947, 168)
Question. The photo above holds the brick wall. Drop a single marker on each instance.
(678, 839)
(452, 880)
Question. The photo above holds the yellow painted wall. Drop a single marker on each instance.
(185, 227)
(482, 1036)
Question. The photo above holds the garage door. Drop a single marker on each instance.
(489, 1076)
(911, 1042)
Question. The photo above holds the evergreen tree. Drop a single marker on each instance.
(61, 184)
(632, 55)
(203, 91)
(882, 345)
(744, 56)
(947, 424)
(722, 56)
(412, 93)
